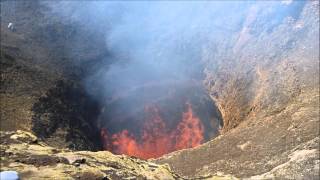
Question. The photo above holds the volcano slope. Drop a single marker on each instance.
(264, 79)
(267, 88)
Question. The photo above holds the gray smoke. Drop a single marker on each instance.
(160, 41)
(152, 41)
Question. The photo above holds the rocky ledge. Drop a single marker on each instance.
(24, 153)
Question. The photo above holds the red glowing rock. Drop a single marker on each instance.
(156, 139)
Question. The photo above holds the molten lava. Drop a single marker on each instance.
(156, 139)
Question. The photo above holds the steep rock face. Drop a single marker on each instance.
(266, 86)
(43, 60)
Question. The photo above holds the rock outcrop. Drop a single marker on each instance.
(22, 152)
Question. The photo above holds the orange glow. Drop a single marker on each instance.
(156, 139)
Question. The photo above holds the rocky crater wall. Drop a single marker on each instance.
(263, 75)
(266, 86)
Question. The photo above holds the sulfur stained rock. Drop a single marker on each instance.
(39, 161)
(24, 136)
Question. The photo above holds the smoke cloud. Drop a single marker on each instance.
(151, 41)
(158, 46)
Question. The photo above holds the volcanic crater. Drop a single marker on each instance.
(196, 93)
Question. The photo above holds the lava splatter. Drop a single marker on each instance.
(156, 139)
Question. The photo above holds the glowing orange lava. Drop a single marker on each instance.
(156, 139)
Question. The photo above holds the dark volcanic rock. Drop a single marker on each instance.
(65, 117)
(41, 85)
